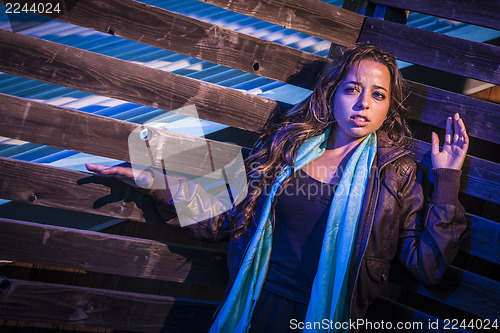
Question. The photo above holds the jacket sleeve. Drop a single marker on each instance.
(199, 212)
(428, 244)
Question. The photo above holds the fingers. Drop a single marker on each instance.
(95, 167)
(456, 119)
(125, 174)
(460, 137)
(120, 171)
(113, 171)
(462, 133)
(456, 132)
(434, 144)
(448, 135)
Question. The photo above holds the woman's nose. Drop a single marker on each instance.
(363, 101)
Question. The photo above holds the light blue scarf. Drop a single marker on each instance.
(329, 289)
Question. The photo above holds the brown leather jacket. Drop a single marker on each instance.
(395, 221)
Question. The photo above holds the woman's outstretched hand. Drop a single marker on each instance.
(141, 179)
(455, 145)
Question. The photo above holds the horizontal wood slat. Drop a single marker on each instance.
(480, 178)
(98, 74)
(43, 185)
(312, 17)
(432, 106)
(454, 55)
(88, 307)
(93, 134)
(54, 63)
(484, 240)
(60, 188)
(466, 291)
(485, 13)
(178, 33)
(451, 54)
(113, 254)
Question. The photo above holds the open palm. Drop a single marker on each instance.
(455, 146)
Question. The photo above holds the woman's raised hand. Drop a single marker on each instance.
(455, 145)
(140, 179)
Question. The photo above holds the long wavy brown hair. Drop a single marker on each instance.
(284, 132)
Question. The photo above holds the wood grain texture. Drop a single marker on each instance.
(164, 233)
(485, 13)
(432, 106)
(88, 307)
(98, 74)
(491, 94)
(178, 33)
(80, 131)
(104, 253)
(54, 63)
(480, 178)
(38, 184)
(427, 48)
(466, 291)
(484, 239)
(312, 17)
(60, 188)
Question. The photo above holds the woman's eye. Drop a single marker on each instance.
(350, 89)
(378, 95)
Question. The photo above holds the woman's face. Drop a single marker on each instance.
(361, 102)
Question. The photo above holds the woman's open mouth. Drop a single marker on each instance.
(359, 121)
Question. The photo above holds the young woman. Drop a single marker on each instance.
(334, 196)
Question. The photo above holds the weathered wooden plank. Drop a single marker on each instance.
(433, 106)
(113, 254)
(455, 55)
(484, 240)
(98, 74)
(466, 291)
(158, 27)
(88, 307)
(55, 63)
(312, 17)
(484, 13)
(42, 185)
(164, 233)
(80, 131)
(451, 54)
(480, 178)
(60, 188)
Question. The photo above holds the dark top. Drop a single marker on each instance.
(301, 216)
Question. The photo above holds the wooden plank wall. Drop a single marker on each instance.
(166, 279)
